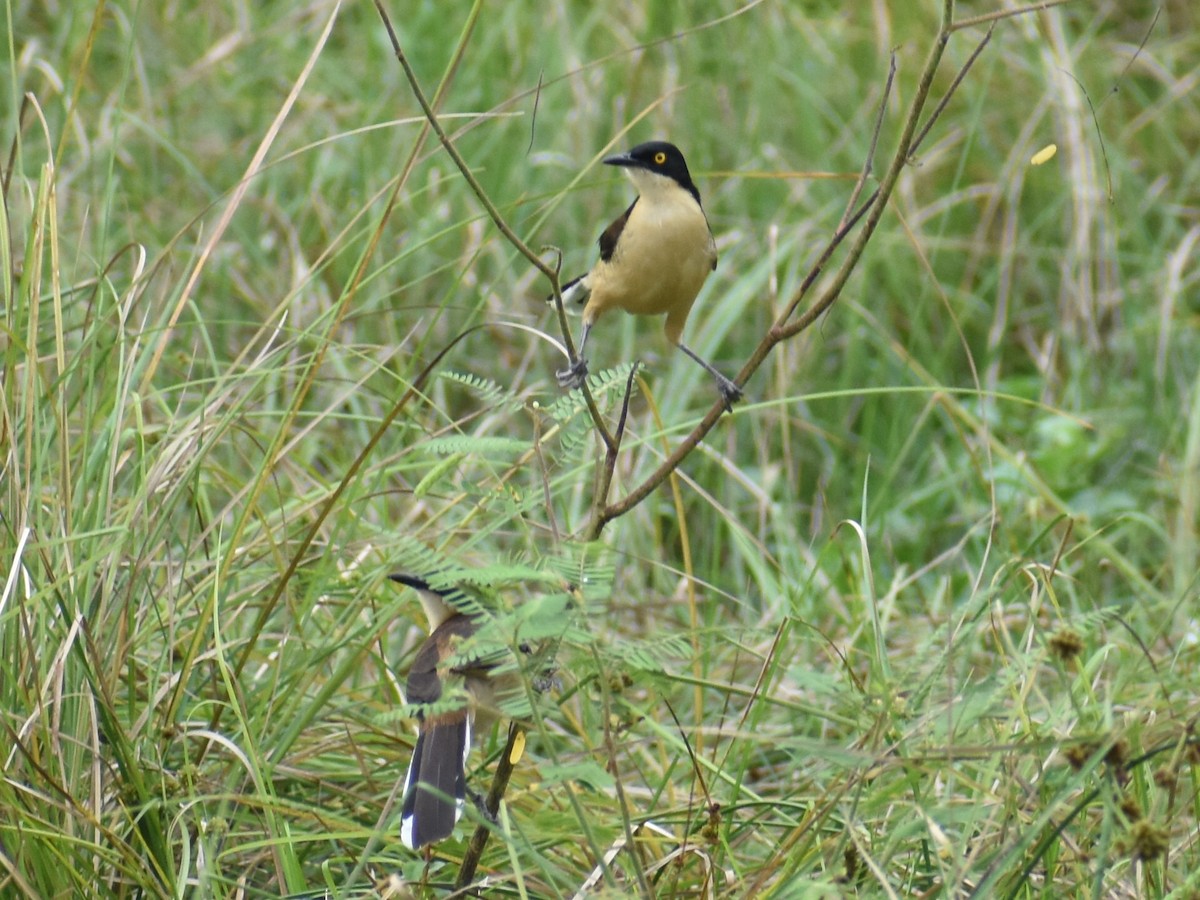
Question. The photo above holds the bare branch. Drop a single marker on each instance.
(504, 770)
(781, 330)
(962, 73)
(869, 161)
(1005, 14)
(493, 213)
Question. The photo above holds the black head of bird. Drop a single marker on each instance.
(653, 160)
(654, 257)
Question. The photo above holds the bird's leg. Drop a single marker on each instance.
(481, 806)
(576, 372)
(546, 679)
(730, 392)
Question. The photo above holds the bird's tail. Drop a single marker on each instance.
(436, 785)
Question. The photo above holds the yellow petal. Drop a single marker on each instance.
(518, 749)
(1044, 155)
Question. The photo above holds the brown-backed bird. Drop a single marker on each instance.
(436, 786)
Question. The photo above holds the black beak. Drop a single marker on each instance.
(411, 581)
(624, 160)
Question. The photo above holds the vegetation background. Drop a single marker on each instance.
(919, 619)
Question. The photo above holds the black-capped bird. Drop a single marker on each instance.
(653, 259)
(436, 785)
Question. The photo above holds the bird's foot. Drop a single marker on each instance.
(546, 681)
(730, 392)
(481, 807)
(574, 375)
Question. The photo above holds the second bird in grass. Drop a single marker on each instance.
(653, 259)
(436, 785)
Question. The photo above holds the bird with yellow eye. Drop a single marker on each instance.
(654, 257)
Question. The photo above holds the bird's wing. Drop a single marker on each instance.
(424, 683)
(612, 234)
(425, 676)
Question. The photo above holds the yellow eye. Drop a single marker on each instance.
(660, 158)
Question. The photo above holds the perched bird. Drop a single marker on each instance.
(436, 786)
(653, 258)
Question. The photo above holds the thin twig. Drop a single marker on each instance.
(564, 326)
(782, 330)
(614, 768)
(309, 378)
(697, 771)
(848, 220)
(493, 213)
(347, 479)
(537, 96)
(504, 770)
(1099, 133)
(962, 73)
(1005, 14)
(1133, 59)
(604, 476)
(869, 161)
(448, 145)
(899, 160)
(351, 291)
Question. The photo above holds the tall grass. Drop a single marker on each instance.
(920, 618)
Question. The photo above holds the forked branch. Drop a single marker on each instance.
(872, 209)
